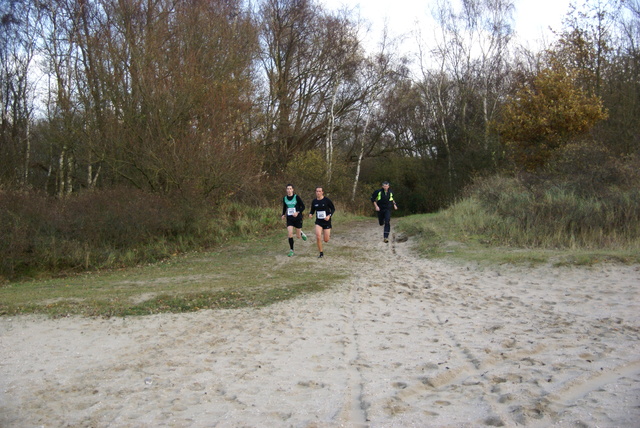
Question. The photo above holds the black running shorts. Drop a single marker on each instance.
(295, 221)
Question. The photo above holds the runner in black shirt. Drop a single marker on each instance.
(383, 201)
(323, 208)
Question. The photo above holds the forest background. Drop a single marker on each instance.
(134, 130)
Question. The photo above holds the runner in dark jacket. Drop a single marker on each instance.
(383, 202)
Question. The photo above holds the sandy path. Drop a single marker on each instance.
(405, 342)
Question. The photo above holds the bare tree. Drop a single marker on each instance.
(59, 31)
(155, 94)
(307, 56)
(376, 77)
(465, 75)
(18, 40)
(585, 42)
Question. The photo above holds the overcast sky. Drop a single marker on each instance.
(533, 17)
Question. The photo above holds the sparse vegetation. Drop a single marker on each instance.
(503, 220)
(240, 274)
(42, 236)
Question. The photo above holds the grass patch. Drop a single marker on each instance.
(552, 214)
(251, 272)
(512, 220)
(464, 232)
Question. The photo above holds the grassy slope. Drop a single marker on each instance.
(445, 234)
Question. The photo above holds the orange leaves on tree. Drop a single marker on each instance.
(545, 114)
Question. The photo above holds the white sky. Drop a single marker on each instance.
(533, 17)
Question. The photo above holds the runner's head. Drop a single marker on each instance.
(290, 190)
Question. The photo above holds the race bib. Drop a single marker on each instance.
(321, 215)
(291, 211)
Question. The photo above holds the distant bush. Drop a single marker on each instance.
(111, 228)
(552, 214)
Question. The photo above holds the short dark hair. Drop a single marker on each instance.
(385, 183)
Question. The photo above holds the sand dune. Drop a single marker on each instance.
(405, 342)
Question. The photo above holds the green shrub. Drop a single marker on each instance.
(553, 214)
(40, 234)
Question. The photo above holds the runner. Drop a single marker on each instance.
(292, 209)
(323, 208)
(382, 201)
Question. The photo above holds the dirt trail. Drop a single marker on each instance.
(404, 342)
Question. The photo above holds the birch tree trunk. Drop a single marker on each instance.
(92, 179)
(360, 157)
(65, 173)
(27, 154)
(61, 168)
(445, 138)
(69, 175)
(329, 139)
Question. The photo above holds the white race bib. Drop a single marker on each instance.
(291, 211)
(321, 215)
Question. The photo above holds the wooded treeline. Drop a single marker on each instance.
(209, 99)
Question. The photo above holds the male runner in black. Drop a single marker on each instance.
(383, 201)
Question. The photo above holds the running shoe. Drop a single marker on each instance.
(290, 253)
(321, 255)
(386, 240)
(304, 237)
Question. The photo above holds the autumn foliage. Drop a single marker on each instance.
(545, 114)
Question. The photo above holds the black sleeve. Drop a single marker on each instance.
(300, 205)
(331, 207)
(374, 195)
(284, 207)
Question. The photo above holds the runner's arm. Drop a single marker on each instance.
(331, 207)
